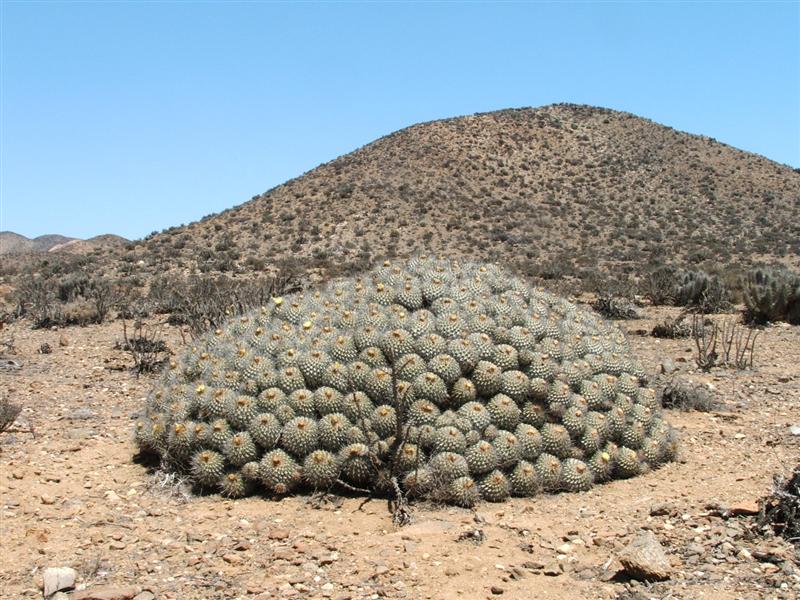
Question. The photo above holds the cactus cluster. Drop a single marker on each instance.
(454, 380)
(772, 294)
(699, 289)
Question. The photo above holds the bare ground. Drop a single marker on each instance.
(72, 496)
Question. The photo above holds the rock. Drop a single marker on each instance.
(278, 534)
(81, 414)
(660, 510)
(79, 433)
(145, 595)
(746, 507)
(381, 570)
(496, 590)
(553, 569)
(232, 559)
(695, 550)
(56, 579)
(645, 559)
(63, 341)
(106, 593)
(667, 366)
(47, 499)
(794, 429)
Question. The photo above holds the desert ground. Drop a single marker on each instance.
(72, 496)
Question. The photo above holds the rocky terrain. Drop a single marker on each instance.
(71, 496)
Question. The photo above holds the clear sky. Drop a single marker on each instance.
(129, 117)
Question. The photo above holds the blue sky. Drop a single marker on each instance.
(129, 117)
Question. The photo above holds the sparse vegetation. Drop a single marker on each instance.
(682, 394)
(723, 345)
(780, 510)
(671, 328)
(613, 306)
(8, 413)
(146, 346)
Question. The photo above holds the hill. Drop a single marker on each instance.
(103, 242)
(547, 191)
(13, 243)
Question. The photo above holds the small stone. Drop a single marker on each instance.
(106, 593)
(660, 510)
(79, 433)
(381, 570)
(47, 499)
(746, 507)
(56, 579)
(667, 366)
(794, 430)
(564, 548)
(81, 414)
(496, 590)
(553, 569)
(63, 341)
(232, 559)
(278, 534)
(645, 559)
(694, 550)
(145, 595)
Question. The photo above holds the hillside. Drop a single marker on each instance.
(547, 191)
(102, 242)
(13, 243)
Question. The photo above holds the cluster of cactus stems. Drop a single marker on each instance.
(448, 380)
(701, 290)
(772, 294)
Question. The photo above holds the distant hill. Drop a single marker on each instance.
(105, 241)
(548, 191)
(13, 243)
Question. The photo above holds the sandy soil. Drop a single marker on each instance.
(72, 496)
